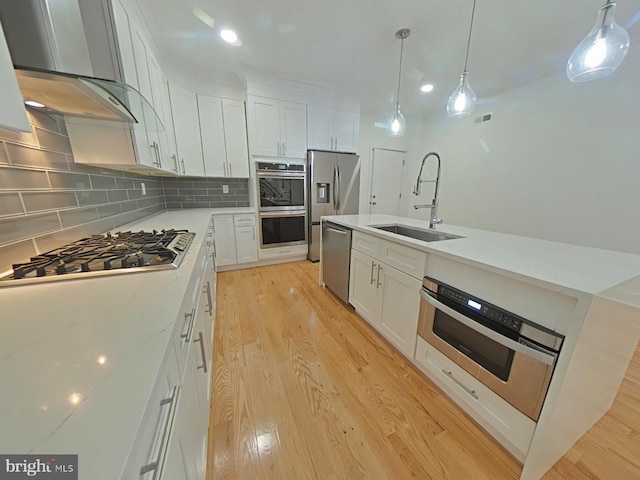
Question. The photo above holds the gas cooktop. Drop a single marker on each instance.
(118, 253)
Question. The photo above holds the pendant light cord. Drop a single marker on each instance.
(466, 58)
(400, 72)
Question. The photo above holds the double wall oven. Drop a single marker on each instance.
(509, 354)
(282, 207)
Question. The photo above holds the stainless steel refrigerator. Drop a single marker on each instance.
(334, 189)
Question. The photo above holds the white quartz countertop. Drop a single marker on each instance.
(78, 358)
(560, 266)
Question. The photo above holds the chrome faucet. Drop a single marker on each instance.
(433, 220)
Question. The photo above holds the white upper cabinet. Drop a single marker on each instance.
(12, 114)
(184, 107)
(223, 130)
(277, 128)
(293, 129)
(235, 135)
(346, 131)
(141, 70)
(320, 128)
(212, 133)
(333, 129)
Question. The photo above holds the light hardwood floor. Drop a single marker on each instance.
(303, 388)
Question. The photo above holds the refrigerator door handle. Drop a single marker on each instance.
(338, 190)
(335, 187)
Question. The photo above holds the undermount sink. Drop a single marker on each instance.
(418, 234)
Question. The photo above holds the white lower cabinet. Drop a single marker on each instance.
(513, 429)
(172, 440)
(363, 288)
(388, 298)
(246, 238)
(236, 239)
(225, 240)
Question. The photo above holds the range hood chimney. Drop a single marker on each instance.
(54, 61)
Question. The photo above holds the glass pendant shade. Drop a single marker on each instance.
(602, 50)
(397, 125)
(463, 99)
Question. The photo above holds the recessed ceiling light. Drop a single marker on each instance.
(426, 88)
(32, 103)
(229, 36)
(204, 17)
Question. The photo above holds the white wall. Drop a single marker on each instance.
(558, 161)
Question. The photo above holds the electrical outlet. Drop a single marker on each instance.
(225, 188)
(143, 187)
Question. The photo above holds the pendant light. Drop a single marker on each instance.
(463, 99)
(602, 50)
(397, 125)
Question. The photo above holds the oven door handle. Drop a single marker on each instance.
(283, 214)
(281, 175)
(546, 358)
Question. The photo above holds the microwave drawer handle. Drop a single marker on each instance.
(545, 358)
(460, 384)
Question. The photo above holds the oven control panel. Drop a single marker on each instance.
(491, 312)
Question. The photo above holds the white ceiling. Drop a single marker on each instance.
(351, 45)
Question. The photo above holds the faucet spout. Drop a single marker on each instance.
(434, 220)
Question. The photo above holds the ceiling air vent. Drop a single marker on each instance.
(483, 118)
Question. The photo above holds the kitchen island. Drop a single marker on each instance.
(82, 359)
(590, 296)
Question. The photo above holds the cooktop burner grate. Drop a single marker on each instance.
(122, 252)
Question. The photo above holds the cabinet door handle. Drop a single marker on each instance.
(279, 154)
(183, 169)
(175, 163)
(378, 279)
(224, 167)
(230, 171)
(156, 152)
(207, 290)
(202, 352)
(157, 465)
(188, 322)
(253, 230)
(373, 264)
(284, 149)
(460, 384)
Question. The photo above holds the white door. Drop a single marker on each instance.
(363, 287)
(400, 308)
(264, 126)
(235, 137)
(212, 133)
(293, 127)
(386, 181)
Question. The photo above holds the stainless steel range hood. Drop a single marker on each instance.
(78, 98)
(58, 47)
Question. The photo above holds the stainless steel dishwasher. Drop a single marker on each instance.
(336, 258)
